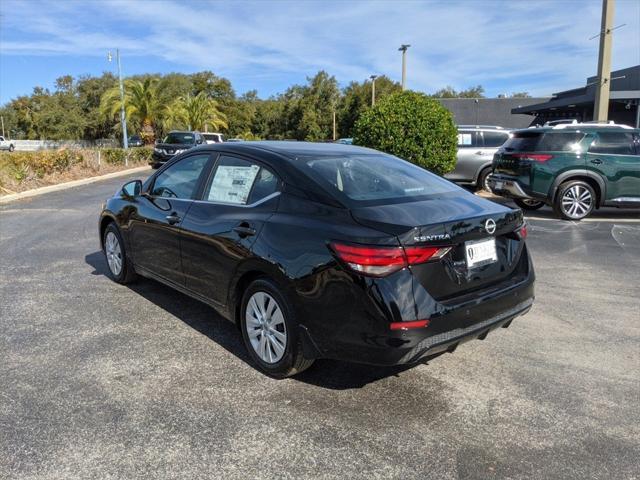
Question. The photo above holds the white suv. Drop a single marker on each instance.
(6, 144)
(212, 137)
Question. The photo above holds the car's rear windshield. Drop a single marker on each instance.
(543, 142)
(374, 178)
(179, 138)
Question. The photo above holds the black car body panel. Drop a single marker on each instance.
(341, 314)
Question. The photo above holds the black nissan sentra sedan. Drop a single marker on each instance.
(323, 251)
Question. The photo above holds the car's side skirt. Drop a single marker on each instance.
(221, 309)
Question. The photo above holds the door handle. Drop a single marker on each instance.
(596, 161)
(173, 219)
(244, 230)
(479, 152)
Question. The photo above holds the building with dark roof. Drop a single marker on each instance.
(578, 103)
(490, 111)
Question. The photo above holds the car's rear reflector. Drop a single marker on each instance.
(408, 325)
(380, 261)
(522, 232)
(536, 157)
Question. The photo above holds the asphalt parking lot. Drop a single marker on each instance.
(102, 381)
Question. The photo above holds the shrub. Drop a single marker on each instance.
(140, 155)
(411, 126)
(113, 156)
(117, 156)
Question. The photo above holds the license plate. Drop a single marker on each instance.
(499, 185)
(480, 252)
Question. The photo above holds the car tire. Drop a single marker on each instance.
(575, 200)
(481, 184)
(270, 330)
(115, 255)
(11, 148)
(526, 204)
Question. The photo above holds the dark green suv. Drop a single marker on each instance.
(574, 168)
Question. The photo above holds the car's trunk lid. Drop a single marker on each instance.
(453, 220)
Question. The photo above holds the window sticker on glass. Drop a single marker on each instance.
(232, 184)
(464, 139)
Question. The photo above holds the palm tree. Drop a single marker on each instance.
(142, 106)
(194, 113)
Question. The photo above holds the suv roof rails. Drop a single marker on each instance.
(495, 127)
(610, 124)
(568, 121)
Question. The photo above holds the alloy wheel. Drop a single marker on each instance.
(266, 327)
(114, 253)
(577, 202)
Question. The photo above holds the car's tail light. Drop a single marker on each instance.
(381, 261)
(408, 325)
(536, 157)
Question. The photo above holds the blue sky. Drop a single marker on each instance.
(539, 46)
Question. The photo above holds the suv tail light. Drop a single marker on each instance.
(536, 157)
(381, 261)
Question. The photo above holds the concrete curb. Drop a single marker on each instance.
(63, 186)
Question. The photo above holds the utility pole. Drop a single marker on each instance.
(2, 120)
(334, 123)
(601, 105)
(123, 117)
(373, 89)
(403, 49)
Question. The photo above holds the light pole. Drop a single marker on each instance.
(403, 49)
(373, 89)
(123, 117)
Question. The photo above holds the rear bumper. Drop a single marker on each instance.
(451, 324)
(507, 187)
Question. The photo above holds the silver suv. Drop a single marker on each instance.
(476, 146)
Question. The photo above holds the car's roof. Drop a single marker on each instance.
(580, 127)
(293, 150)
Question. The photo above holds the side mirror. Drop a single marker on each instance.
(132, 189)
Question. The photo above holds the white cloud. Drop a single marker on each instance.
(538, 46)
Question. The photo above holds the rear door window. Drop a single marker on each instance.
(494, 139)
(613, 143)
(240, 182)
(544, 142)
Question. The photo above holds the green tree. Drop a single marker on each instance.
(411, 126)
(142, 105)
(450, 92)
(356, 98)
(195, 113)
(90, 91)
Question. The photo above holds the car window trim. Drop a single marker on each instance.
(197, 190)
(207, 184)
(241, 205)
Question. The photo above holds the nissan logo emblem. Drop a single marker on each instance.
(490, 226)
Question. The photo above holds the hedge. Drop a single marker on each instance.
(20, 165)
(412, 126)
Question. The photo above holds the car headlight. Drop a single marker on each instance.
(157, 150)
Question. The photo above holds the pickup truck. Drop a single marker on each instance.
(6, 144)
